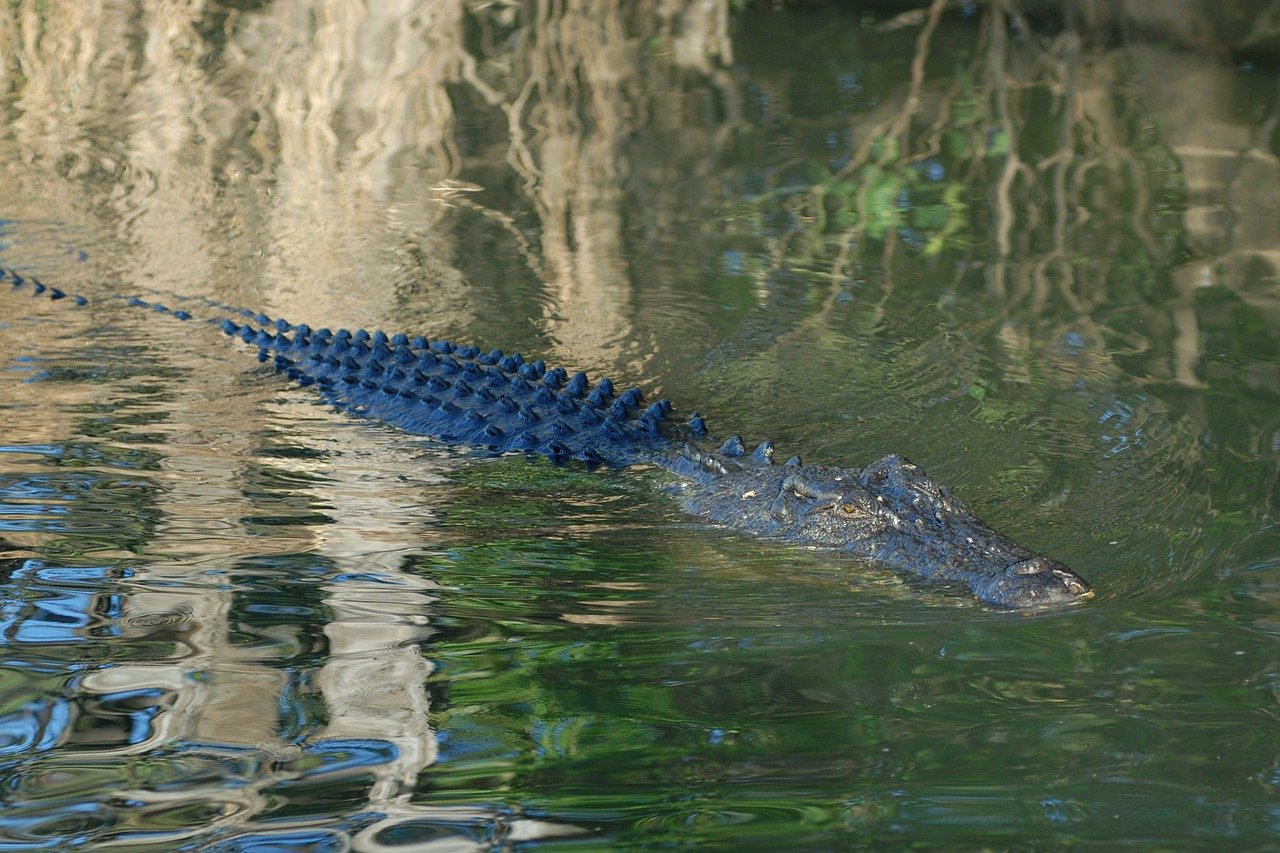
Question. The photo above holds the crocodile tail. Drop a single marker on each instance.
(456, 393)
(38, 288)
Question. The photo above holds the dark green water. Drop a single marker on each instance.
(1045, 269)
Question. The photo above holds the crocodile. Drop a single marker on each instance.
(889, 512)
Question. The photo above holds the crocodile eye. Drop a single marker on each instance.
(848, 509)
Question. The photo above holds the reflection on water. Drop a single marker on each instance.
(1039, 258)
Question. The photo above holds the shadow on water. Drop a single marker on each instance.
(1031, 246)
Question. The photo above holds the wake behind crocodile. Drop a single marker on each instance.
(889, 511)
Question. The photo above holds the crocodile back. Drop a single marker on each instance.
(458, 394)
(462, 395)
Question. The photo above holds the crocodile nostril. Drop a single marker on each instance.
(1051, 576)
(1074, 584)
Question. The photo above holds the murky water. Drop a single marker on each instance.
(1035, 257)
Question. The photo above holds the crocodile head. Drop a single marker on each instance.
(892, 512)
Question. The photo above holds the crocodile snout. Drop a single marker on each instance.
(1034, 583)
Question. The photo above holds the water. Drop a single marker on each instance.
(233, 619)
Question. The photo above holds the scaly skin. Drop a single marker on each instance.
(890, 511)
